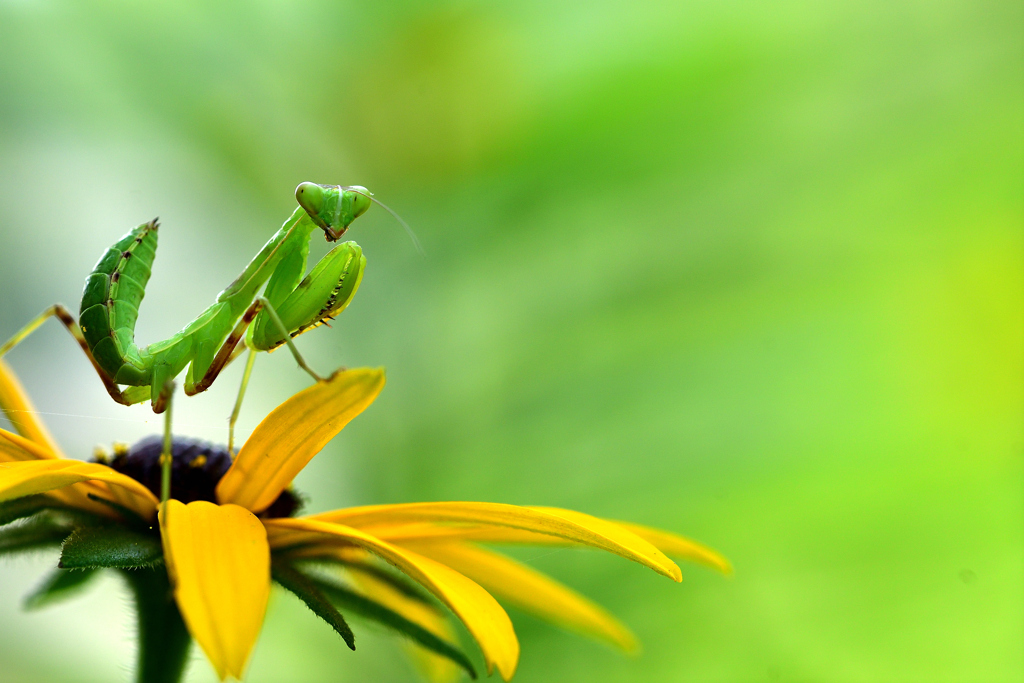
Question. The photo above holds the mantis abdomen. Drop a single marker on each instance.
(110, 302)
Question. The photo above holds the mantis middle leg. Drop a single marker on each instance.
(226, 354)
(227, 349)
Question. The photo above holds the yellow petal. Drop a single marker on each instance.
(293, 433)
(673, 545)
(28, 477)
(424, 531)
(681, 547)
(529, 590)
(18, 408)
(572, 526)
(219, 563)
(482, 615)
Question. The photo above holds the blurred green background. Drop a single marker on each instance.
(752, 272)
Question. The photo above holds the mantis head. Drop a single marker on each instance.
(332, 207)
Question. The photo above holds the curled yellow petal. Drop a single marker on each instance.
(28, 477)
(14, 447)
(566, 524)
(219, 564)
(434, 668)
(360, 568)
(35, 443)
(680, 547)
(529, 590)
(18, 408)
(293, 433)
(482, 615)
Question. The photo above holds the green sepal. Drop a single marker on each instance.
(40, 531)
(306, 590)
(373, 610)
(61, 584)
(26, 506)
(110, 546)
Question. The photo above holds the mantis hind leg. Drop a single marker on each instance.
(249, 362)
(64, 316)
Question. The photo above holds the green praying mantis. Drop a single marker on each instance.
(289, 305)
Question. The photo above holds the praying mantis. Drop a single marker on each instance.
(289, 305)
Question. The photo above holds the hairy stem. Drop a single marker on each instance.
(163, 639)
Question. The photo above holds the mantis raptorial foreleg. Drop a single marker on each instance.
(64, 316)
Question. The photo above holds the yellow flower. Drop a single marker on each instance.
(221, 553)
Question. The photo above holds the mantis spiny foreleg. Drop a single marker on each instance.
(323, 294)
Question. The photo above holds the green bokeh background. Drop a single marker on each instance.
(752, 272)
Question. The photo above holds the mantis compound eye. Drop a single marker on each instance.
(360, 200)
(310, 197)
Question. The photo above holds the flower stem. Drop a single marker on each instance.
(163, 638)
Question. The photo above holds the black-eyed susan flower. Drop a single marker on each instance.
(228, 531)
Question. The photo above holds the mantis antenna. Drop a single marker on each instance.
(369, 195)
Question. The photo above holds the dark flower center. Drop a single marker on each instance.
(196, 467)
